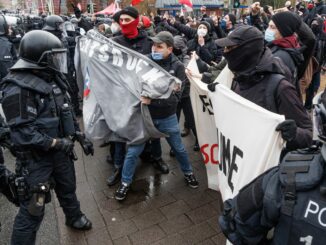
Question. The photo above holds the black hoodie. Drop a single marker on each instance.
(253, 85)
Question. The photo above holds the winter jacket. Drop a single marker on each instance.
(142, 43)
(162, 108)
(253, 87)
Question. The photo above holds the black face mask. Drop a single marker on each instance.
(245, 58)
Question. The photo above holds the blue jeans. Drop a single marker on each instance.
(119, 154)
(169, 126)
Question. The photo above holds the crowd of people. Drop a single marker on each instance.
(277, 59)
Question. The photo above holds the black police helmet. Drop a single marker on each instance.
(41, 50)
(53, 23)
(320, 116)
(4, 28)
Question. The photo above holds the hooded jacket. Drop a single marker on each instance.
(292, 57)
(320, 47)
(252, 86)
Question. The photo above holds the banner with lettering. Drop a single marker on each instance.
(114, 79)
(205, 124)
(247, 141)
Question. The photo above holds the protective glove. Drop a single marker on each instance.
(65, 145)
(288, 129)
(85, 143)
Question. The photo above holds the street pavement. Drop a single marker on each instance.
(159, 209)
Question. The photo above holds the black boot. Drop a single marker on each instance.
(115, 177)
(82, 223)
(161, 165)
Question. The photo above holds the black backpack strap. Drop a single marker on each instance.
(270, 93)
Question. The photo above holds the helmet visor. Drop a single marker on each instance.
(58, 60)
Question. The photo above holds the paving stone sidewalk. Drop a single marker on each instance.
(159, 209)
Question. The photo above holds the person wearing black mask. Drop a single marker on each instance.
(320, 55)
(259, 77)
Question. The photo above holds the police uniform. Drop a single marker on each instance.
(8, 56)
(38, 111)
(290, 198)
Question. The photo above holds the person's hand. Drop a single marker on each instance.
(85, 143)
(145, 100)
(192, 74)
(201, 41)
(288, 129)
(93, 17)
(65, 145)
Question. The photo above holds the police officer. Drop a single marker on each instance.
(8, 55)
(290, 198)
(55, 25)
(37, 108)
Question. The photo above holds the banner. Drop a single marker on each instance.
(237, 137)
(114, 78)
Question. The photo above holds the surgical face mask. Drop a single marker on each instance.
(201, 32)
(157, 55)
(269, 35)
(115, 28)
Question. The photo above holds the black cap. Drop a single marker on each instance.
(164, 37)
(129, 11)
(240, 35)
(287, 23)
(208, 26)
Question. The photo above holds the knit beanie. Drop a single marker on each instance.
(207, 25)
(286, 22)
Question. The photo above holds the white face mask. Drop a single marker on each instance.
(115, 28)
(201, 32)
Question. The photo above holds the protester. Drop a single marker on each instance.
(288, 198)
(284, 44)
(200, 40)
(164, 118)
(260, 78)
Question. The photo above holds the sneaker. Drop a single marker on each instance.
(121, 192)
(115, 177)
(161, 165)
(191, 181)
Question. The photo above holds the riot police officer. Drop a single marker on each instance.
(291, 198)
(38, 111)
(8, 55)
(55, 25)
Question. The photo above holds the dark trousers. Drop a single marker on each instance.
(185, 105)
(58, 166)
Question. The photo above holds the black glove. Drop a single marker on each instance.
(65, 145)
(211, 86)
(85, 143)
(288, 129)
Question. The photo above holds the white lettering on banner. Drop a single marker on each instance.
(319, 217)
(139, 65)
(103, 56)
(131, 62)
(152, 75)
(117, 57)
(307, 240)
(92, 48)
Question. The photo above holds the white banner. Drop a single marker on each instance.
(237, 137)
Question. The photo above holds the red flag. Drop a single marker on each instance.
(135, 2)
(186, 2)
